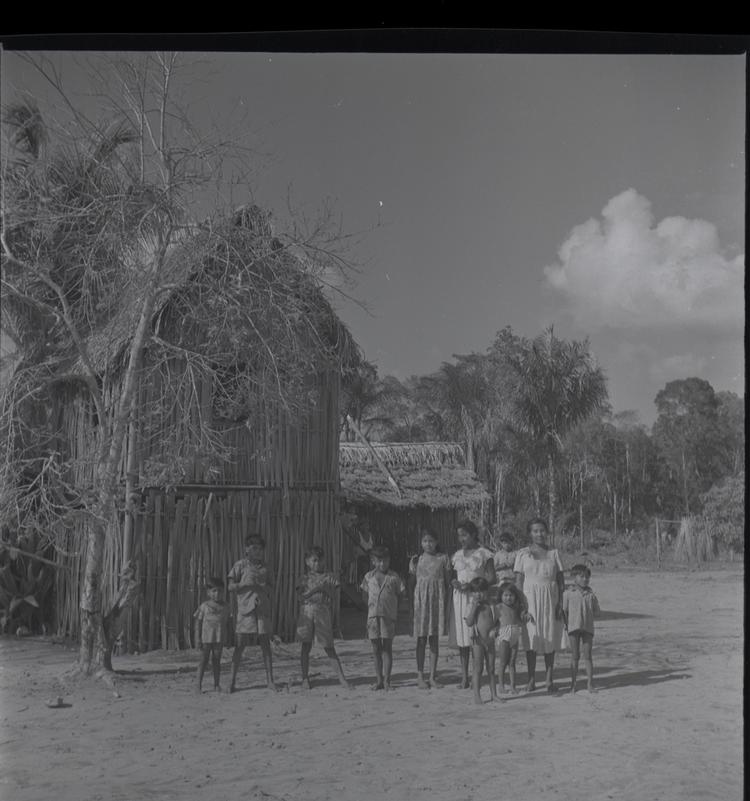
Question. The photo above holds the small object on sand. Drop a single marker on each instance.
(56, 703)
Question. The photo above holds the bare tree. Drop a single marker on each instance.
(99, 230)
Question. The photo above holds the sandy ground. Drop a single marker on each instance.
(665, 724)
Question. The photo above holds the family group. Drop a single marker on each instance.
(490, 604)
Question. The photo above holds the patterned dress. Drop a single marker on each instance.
(432, 572)
(542, 594)
(468, 566)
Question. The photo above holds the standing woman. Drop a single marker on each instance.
(539, 575)
(469, 562)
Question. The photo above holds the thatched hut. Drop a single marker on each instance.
(390, 492)
(235, 429)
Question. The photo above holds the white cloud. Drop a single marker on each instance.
(623, 271)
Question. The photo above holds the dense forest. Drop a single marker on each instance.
(535, 422)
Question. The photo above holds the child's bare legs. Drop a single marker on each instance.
(265, 647)
(205, 655)
(504, 663)
(479, 652)
(334, 657)
(421, 648)
(574, 639)
(236, 657)
(464, 654)
(305, 661)
(549, 666)
(387, 661)
(434, 651)
(512, 668)
(377, 658)
(531, 670)
(216, 649)
(587, 640)
(489, 651)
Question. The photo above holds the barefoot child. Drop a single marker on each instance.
(481, 618)
(315, 621)
(511, 615)
(210, 631)
(580, 607)
(249, 579)
(433, 572)
(382, 587)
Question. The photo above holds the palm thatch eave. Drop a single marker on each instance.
(429, 474)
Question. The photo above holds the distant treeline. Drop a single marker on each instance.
(536, 425)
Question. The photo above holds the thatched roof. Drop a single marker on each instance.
(430, 474)
(195, 258)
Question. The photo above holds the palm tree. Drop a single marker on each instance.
(559, 385)
(458, 393)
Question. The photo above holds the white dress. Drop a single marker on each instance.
(467, 566)
(542, 593)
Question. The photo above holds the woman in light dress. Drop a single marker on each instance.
(469, 562)
(539, 575)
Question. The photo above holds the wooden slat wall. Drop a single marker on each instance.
(180, 539)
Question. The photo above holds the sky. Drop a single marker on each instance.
(601, 194)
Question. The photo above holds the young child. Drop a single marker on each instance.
(505, 557)
(383, 588)
(481, 618)
(315, 590)
(210, 631)
(511, 614)
(249, 579)
(432, 571)
(580, 607)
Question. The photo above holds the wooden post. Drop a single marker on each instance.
(658, 545)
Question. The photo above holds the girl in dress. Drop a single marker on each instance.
(469, 562)
(539, 575)
(432, 571)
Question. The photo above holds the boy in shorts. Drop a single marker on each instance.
(383, 588)
(249, 579)
(315, 591)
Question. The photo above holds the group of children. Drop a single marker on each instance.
(497, 615)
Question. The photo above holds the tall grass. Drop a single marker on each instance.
(695, 541)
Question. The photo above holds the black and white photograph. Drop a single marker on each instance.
(372, 416)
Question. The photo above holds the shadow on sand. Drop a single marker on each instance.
(606, 615)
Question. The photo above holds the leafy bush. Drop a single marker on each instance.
(25, 586)
(724, 511)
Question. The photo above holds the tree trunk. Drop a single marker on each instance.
(614, 513)
(92, 633)
(551, 488)
(469, 429)
(630, 489)
(684, 485)
(94, 643)
(580, 509)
